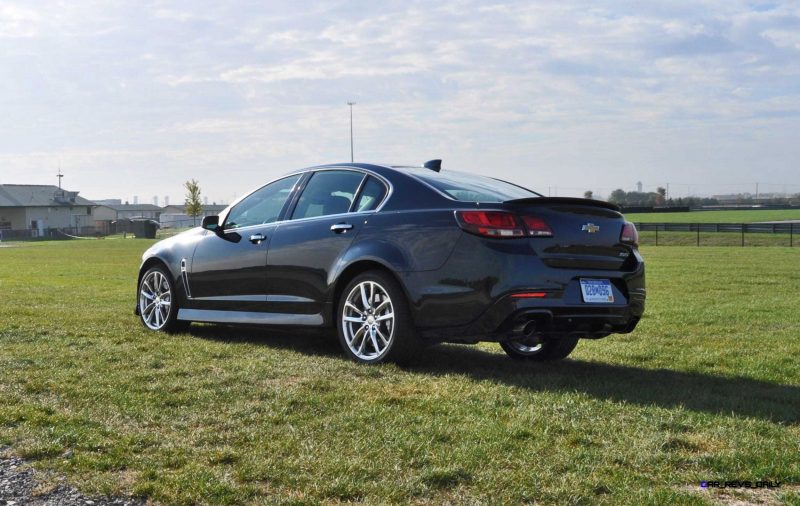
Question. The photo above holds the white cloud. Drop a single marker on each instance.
(549, 93)
(18, 22)
(783, 38)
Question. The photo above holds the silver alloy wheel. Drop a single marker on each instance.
(523, 349)
(155, 300)
(368, 320)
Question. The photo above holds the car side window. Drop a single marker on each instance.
(263, 205)
(371, 195)
(328, 192)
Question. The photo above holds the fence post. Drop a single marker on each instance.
(698, 235)
(742, 225)
(656, 235)
(791, 235)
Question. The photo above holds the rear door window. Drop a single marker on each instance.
(371, 195)
(328, 192)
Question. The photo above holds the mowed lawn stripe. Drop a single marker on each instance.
(708, 387)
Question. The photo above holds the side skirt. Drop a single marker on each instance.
(248, 317)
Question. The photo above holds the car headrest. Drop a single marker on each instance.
(336, 204)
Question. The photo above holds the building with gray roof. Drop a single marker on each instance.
(42, 207)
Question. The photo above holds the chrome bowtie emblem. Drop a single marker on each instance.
(591, 228)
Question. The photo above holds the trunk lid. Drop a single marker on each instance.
(586, 233)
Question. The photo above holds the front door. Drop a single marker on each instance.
(228, 268)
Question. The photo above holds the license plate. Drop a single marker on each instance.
(597, 291)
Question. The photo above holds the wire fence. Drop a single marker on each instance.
(718, 234)
(53, 234)
(29, 234)
(180, 222)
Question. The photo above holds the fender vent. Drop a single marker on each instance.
(185, 278)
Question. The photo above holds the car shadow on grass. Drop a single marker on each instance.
(665, 388)
(306, 341)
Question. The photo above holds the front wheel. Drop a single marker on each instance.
(551, 349)
(158, 309)
(374, 321)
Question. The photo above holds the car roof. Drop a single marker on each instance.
(385, 170)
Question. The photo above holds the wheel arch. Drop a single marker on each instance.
(353, 270)
(154, 261)
(150, 262)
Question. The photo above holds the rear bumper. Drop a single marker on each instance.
(470, 298)
(508, 316)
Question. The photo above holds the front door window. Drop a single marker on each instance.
(262, 206)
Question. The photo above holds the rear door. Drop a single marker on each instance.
(304, 250)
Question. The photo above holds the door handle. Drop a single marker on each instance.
(341, 227)
(257, 238)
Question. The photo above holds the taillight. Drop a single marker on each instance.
(529, 295)
(537, 227)
(629, 234)
(490, 223)
(501, 224)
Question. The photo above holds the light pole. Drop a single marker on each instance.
(351, 104)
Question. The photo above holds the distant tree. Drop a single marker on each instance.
(193, 206)
(661, 199)
(640, 199)
(618, 196)
(588, 194)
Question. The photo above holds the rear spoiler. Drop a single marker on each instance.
(564, 200)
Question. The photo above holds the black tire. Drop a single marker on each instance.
(551, 349)
(403, 345)
(167, 318)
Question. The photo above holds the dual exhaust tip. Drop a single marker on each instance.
(525, 329)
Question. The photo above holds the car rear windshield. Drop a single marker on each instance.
(472, 188)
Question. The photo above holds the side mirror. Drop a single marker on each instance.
(210, 223)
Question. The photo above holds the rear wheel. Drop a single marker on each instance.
(374, 321)
(540, 350)
(158, 308)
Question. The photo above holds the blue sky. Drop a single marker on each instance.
(133, 98)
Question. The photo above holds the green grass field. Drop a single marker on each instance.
(716, 216)
(707, 388)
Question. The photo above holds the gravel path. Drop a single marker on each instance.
(18, 486)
